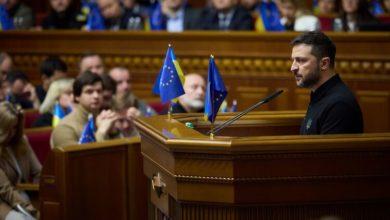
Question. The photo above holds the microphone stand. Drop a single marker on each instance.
(235, 118)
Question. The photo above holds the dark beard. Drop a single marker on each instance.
(311, 79)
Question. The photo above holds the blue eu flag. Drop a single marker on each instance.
(215, 92)
(95, 20)
(6, 23)
(88, 134)
(168, 83)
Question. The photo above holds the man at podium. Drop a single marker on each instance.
(333, 108)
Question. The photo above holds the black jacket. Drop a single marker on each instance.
(241, 20)
(333, 109)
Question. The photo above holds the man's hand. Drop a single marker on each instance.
(104, 122)
(133, 113)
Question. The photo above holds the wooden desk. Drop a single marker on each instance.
(94, 181)
(263, 177)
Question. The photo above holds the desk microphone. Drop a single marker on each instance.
(246, 111)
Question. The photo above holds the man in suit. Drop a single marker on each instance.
(333, 108)
(226, 15)
(88, 98)
(174, 16)
(117, 18)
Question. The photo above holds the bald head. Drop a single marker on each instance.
(194, 88)
(122, 77)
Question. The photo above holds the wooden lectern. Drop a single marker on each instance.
(260, 168)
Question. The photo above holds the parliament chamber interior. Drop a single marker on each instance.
(258, 167)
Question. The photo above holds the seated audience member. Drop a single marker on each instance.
(18, 164)
(327, 11)
(226, 15)
(124, 98)
(88, 99)
(52, 68)
(92, 62)
(21, 92)
(288, 9)
(116, 17)
(59, 93)
(355, 13)
(124, 127)
(333, 108)
(265, 13)
(134, 7)
(63, 15)
(108, 92)
(193, 99)
(327, 7)
(21, 14)
(174, 16)
(5, 64)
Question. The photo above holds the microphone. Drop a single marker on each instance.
(238, 116)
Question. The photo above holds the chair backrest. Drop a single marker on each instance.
(30, 115)
(39, 139)
(159, 107)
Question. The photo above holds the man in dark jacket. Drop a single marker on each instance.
(226, 15)
(333, 108)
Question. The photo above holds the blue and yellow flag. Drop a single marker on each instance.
(169, 82)
(6, 23)
(59, 114)
(157, 20)
(268, 17)
(215, 92)
(95, 20)
(88, 134)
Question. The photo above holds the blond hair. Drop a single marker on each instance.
(55, 90)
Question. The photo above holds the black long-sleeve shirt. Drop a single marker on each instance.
(333, 109)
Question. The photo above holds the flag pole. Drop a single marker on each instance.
(170, 111)
(170, 102)
(212, 123)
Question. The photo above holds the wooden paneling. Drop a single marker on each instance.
(375, 103)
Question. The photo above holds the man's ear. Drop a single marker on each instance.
(325, 63)
(76, 99)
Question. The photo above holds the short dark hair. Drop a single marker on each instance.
(88, 54)
(87, 78)
(16, 75)
(109, 83)
(52, 64)
(322, 45)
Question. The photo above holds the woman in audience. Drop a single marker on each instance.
(327, 7)
(353, 14)
(63, 15)
(60, 92)
(18, 164)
